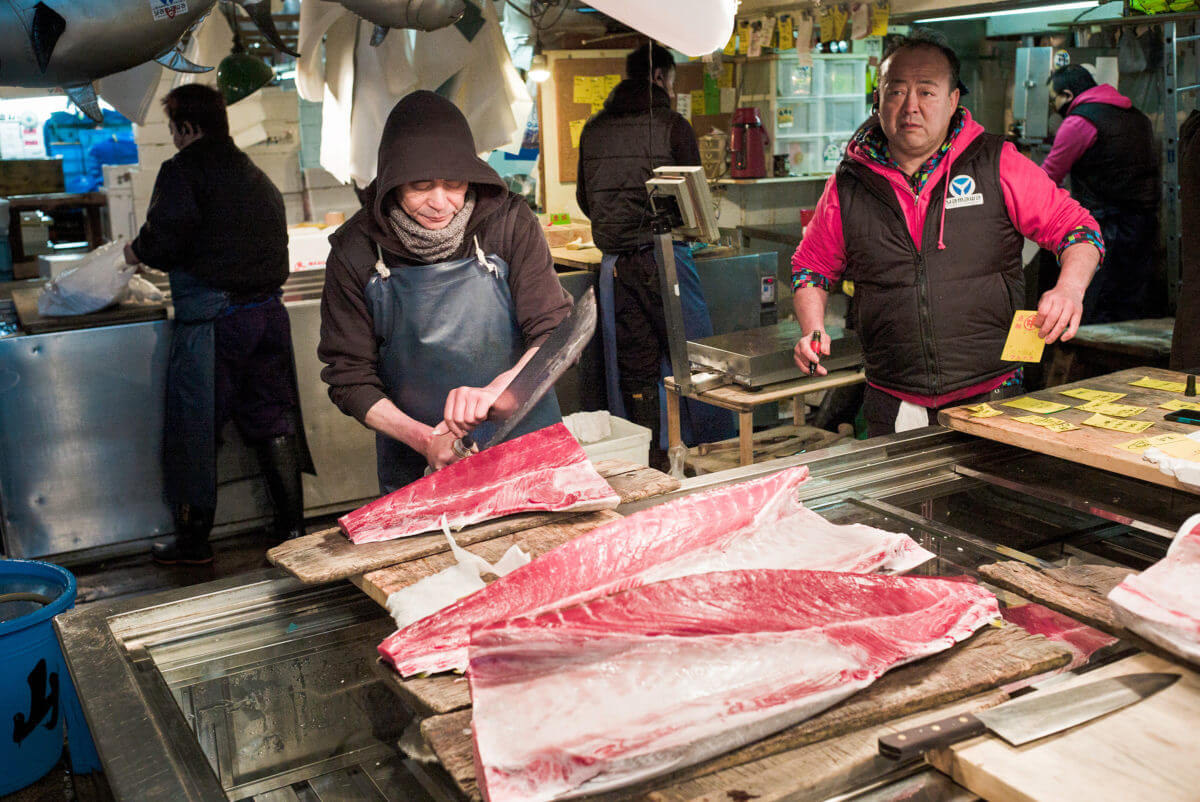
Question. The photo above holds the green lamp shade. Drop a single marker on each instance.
(240, 75)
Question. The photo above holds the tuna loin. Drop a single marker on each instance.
(591, 698)
(543, 470)
(758, 524)
(1162, 604)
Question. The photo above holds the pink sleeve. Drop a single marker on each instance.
(1074, 137)
(1041, 210)
(822, 250)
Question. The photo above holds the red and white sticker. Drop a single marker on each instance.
(167, 9)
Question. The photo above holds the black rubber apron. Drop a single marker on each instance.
(442, 326)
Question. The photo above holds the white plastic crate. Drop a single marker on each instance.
(793, 79)
(796, 117)
(803, 152)
(844, 77)
(843, 114)
(628, 441)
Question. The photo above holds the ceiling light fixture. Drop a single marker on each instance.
(1009, 12)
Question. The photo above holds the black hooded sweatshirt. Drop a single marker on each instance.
(425, 138)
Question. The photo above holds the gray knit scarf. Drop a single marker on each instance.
(425, 244)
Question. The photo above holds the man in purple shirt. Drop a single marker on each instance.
(1109, 150)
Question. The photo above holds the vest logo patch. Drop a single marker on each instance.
(962, 193)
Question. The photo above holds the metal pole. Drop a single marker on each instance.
(664, 252)
(1170, 162)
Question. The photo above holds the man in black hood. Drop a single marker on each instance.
(618, 151)
(436, 292)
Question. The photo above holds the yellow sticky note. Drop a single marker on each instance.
(1053, 424)
(1023, 343)
(1117, 424)
(1187, 449)
(611, 81)
(1035, 405)
(1115, 410)
(1175, 406)
(1092, 395)
(698, 102)
(1142, 443)
(725, 81)
(581, 90)
(576, 131)
(1155, 384)
(983, 411)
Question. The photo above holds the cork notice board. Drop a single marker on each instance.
(581, 84)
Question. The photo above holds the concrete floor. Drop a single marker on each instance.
(129, 576)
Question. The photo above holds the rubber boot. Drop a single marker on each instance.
(190, 544)
(642, 408)
(279, 459)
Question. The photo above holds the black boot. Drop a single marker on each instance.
(279, 459)
(641, 406)
(190, 546)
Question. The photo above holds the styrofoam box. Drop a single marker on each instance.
(308, 247)
(628, 441)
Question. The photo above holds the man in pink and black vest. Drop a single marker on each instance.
(927, 215)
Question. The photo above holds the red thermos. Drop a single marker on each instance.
(748, 145)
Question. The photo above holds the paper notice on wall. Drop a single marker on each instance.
(804, 31)
(576, 131)
(743, 36)
(786, 32)
(726, 79)
(860, 20)
(728, 99)
(581, 90)
(757, 24)
(610, 83)
(880, 11)
(697, 102)
(683, 105)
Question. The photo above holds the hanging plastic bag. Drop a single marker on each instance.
(100, 279)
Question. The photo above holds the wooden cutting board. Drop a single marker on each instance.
(991, 658)
(1146, 751)
(32, 322)
(1086, 445)
(329, 555)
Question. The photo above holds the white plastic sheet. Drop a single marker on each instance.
(694, 27)
(100, 279)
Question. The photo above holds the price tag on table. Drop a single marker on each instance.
(1030, 404)
(1118, 425)
(1175, 406)
(1158, 441)
(1085, 394)
(983, 411)
(1114, 410)
(1053, 424)
(1155, 384)
(1187, 449)
(1023, 343)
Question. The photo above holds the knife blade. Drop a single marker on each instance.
(557, 353)
(1029, 718)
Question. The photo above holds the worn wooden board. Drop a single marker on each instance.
(1086, 445)
(991, 658)
(328, 555)
(1145, 751)
(25, 300)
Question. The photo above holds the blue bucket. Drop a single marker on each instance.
(32, 671)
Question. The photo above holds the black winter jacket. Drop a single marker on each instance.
(215, 215)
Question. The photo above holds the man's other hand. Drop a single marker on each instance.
(1059, 312)
(805, 355)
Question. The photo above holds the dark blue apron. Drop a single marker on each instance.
(442, 326)
(190, 436)
(698, 422)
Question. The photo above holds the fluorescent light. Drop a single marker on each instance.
(539, 69)
(1011, 11)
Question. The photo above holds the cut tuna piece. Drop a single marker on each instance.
(587, 699)
(1162, 604)
(543, 470)
(758, 524)
(1081, 639)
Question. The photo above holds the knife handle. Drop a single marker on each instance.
(909, 744)
(463, 447)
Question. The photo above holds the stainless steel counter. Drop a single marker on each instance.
(258, 685)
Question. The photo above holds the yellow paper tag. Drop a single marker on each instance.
(1142, 443)
(576, 127)
(1187, 449)
(1023, 343)
(1118, 425)
(1155, 384)
(1035, 405)
(1115, 410)
(983, 411)
(1053, 424)
(1092, 395)
(1175, 406)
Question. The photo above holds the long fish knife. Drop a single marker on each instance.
(1027, 719)
(557, 353)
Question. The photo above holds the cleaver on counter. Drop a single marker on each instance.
(1030, 718)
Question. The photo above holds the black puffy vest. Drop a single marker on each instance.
(615, 157)
(1120, 170)
(933, 321)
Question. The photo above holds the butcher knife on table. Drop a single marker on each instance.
(557, 353)
(1027, 719)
